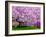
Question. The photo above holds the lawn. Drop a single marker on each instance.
(24, 27)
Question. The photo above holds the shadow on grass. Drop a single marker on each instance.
(24, 28)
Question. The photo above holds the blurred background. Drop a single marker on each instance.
(26, 16)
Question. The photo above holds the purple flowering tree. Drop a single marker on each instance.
(28, 15)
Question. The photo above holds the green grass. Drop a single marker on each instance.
(24, 28)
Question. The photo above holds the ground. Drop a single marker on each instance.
(24, 27)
